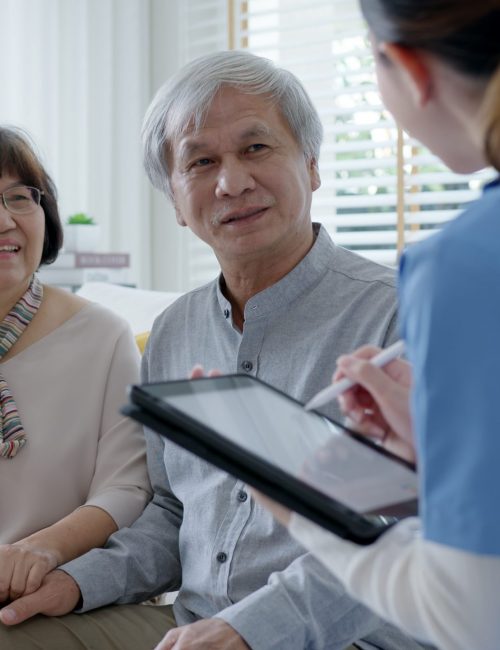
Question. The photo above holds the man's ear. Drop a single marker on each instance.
(314, 174)
(414, 69)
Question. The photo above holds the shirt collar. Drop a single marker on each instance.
(303, 276)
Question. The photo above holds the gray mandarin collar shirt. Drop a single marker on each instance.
(202, 533)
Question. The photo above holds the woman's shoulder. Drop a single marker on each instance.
(61, 303)
(63, 306)
(63, 311)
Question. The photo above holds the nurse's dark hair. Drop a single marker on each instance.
(464, 33)
(18, 158)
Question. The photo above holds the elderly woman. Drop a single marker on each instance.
(72, 469)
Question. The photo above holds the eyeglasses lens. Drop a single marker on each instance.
(22, 199)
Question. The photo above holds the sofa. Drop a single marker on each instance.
(137, 306)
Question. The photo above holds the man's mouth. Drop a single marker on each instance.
(242, 214)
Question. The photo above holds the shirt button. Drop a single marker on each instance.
(242, 496)
(247, 365)
(221, 557)
(226, 313)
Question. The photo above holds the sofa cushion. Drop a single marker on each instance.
(137, 306)
(141, 340)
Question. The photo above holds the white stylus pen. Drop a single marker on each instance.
(332, 392)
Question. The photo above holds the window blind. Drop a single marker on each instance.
(380, 189)
(205, 25)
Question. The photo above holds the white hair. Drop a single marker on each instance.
(183, 101)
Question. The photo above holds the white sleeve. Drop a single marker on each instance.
(438, 594)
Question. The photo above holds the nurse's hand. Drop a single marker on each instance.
(379, 404)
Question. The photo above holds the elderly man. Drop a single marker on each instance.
(234, 141)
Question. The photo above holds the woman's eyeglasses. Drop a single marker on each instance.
(21, 199)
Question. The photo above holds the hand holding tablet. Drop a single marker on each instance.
(298, 458)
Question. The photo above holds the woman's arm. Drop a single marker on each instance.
(24, 563)
(115, 486)
(440, 595)
(120, 484)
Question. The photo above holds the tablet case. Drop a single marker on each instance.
(156, 414)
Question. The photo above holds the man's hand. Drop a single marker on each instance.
(213, 633)
(58, 595)
(198, 372)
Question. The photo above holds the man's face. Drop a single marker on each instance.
(242, 183)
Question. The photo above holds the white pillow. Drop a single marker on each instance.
(137, 306)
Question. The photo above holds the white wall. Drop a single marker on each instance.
(79, 78)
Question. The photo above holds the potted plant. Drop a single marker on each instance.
(81, 233)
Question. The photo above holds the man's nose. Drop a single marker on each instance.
(233, 178)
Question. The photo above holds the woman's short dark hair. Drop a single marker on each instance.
(18, 158)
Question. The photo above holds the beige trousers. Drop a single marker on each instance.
(118, 627)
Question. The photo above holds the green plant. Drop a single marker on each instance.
(80, 218)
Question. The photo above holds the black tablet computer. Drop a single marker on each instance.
(251, 430)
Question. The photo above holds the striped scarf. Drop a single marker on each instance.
(12, 436)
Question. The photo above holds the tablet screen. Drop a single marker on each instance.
(304, 444)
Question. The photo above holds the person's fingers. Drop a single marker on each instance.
(197, 372)
(373, 379)
(367, 427)
(22, 609)
(398, 369)
(35, 577)
(58, 595)
(18, 579)
(364, 352)
(169, 640)
(6, 569)
(356, 398)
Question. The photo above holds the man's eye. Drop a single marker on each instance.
(256, 147)
(202, 162)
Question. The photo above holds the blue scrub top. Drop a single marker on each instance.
(450, 317)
